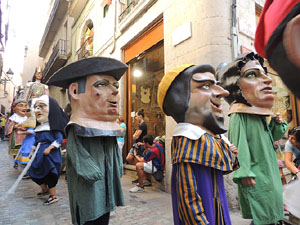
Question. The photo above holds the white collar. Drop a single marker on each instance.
(192, 131)
(18, 119)
(42, 127)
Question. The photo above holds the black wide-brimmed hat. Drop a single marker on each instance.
(85, 67)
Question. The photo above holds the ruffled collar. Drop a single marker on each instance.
(18, 119)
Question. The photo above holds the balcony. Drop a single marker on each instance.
(58, 13)
(128, 9)
(76, 7)
(86, 49)
(134, 10)
(57, 59)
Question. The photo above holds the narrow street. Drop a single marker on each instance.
(24, 207)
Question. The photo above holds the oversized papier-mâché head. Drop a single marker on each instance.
(47, 111)
(191, 94)
(93, 89)
(20, 107)
(248, 82)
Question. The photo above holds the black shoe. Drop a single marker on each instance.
(25, 177)
(52, 199)
(147, 183)
(135, 181)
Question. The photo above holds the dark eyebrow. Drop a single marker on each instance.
(99, 81)
(204, 80)
(39, 103)
(256, 69)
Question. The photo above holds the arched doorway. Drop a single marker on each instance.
(86, 41)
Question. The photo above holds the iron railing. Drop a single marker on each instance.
(128, 9)
(85, 49)
(60, 49)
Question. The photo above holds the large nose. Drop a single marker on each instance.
(266, 79)
(220, 92)
(115, 90)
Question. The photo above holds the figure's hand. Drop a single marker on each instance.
(248, 181)
(278, 118)
(234, 150)
(48, 150)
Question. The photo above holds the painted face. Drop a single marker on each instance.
(205, 109)
(101, 98)
(41, 110)
(21, 108)
(256, 85)
(38, 76)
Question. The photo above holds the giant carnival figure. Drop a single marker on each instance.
(14, 129)
(251, 99)
(94, 161)
(201, 155)
(46, 165)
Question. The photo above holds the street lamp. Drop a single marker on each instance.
(10, 74)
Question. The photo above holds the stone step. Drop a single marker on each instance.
(130, 170)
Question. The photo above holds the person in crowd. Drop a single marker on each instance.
(277, 39)
(35, 88)
(280, 161)
(6, 118)
(46, 165)
(138, 139)
(94, 161)
(201, 155)
(120, 139)
(251, 99)
(14, 129)
(292, 150)
(154, 160)
(2, 127)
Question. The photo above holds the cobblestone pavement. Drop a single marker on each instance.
(24, 207)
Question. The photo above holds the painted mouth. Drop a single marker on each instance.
(216, 106)
(267, 90)
(113, 104)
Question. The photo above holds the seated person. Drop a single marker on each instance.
(154, 160)
(292, 148)
(137, 138)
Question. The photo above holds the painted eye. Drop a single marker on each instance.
(101, 84)
(251, 75)
(205, 86)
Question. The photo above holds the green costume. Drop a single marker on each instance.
(94, 170)
(254, 138)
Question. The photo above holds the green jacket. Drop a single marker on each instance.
(94, 170)
(254, 138)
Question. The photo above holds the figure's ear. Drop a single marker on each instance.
(73, 90)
